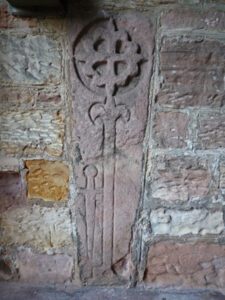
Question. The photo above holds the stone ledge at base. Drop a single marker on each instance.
(14, 291)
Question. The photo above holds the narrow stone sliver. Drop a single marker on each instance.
(12, 291)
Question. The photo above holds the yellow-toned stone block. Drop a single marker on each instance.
(47, 180)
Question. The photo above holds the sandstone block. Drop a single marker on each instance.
(211, 133)
(39, 227)
(178, 223)
(188, 265)
(181, 179)
(27, 59)
(9, 164)
(44, 269)
(171, 129)
(31, 132)
(47, 180)
(186, 66)
(12, 193)
(25, 98)
(193, 19)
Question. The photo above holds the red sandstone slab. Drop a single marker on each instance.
(187, 265)
(186, 18)
(191, 72)
(110, 75)
(182, 180)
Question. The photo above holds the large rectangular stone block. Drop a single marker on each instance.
(47, 180)
(178, 223)
(186, 265)
(112, 61)
(191, 72)
(32, 132)
(182, 179)
(197, 19)
(170, 130)
(44, 269)
(14, 98)
(42, 228)
(29, 59)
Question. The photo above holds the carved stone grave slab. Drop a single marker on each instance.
(111, 63)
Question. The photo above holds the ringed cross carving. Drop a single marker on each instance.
(108, 63)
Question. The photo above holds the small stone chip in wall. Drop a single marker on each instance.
(47, 180)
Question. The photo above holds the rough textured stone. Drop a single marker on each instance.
(32, 132)
(39, 227)
(193, 19)
(12, 98)
(174, 264)
(113, 60)
(9, 164)
(117, 4)
(29, 59)
(191, 72)
(44, 269)
(12, 192)
(18, 291)
(171, 129)
(181, 179)
(211, 133)
(178, 223)
(222, 174)
(47, 180)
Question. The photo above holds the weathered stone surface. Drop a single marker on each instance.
(39, 227)
(18, 291)
(178, 223)
(117, 4)
(55, 25)
(222, 174)
(211, 133)
(171, 129)
(12, 98)
(32, 132)
(9, 164)
(113, 60)
(189, 265)
(12, 193)
(181, 179)
(191, 72)
(48, 98)
(43, 268)
(8, 21)
(27, 59)
(47, 180)
(193, 19)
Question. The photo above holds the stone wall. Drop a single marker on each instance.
(112, 139)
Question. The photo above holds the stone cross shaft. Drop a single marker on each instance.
(108, 112)
(107, 60)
